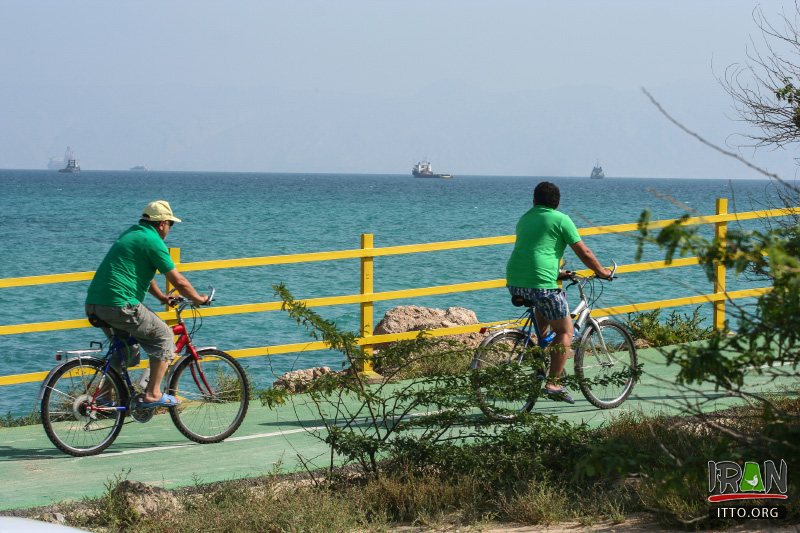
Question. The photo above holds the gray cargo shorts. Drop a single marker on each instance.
(152, 333)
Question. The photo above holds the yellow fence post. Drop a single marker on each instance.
(175, 255)
(720, 231)
(367, 319)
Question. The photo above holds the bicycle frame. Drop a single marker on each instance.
(117, 349)
(580, 315)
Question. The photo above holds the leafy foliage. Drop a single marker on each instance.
(677, 328)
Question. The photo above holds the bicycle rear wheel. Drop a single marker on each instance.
(73, 422)
(605, 364)
(507, 382)
(214, 395)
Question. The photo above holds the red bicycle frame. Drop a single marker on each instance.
(184, 341)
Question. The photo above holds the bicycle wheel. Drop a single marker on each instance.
(74, 423)
(504, 389)
(605, 364)
(214, 395)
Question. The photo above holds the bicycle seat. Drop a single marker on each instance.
(97, 322)
(520, 301)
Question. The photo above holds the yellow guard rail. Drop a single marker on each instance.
(367, 297)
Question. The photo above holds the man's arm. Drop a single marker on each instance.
(587, 257)
(156, 291)
(184, 287)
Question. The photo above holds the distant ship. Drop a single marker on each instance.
(597, 172)
(423, 169)
(72, 163)
(139, 168)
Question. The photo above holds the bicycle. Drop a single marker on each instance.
(605, 358)
(84, 400)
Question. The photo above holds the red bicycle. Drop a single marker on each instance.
(85, 399)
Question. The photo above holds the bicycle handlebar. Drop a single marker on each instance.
(574, 277)
(181, 302)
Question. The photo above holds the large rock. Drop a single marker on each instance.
(416, 318)
(298, 380)
(146, 500)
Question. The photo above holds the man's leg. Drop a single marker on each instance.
(560, 350)
(541, 322)
(158, 368)
(153, 335)
(156, 337)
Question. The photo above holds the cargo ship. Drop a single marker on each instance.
(597, 172)
(72, 163)
(423, 169)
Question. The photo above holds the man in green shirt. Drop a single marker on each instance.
(533, 273)
(119, 286)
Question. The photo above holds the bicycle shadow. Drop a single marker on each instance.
(10, 453)
(294, 423)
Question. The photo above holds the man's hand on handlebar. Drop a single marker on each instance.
(565, 275)
(203, 300)
(607, 274)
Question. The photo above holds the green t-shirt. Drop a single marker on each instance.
(542, 235)
(128, 268)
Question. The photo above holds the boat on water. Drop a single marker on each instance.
(424, 169)
(72, 167)
(139, 168)
(72, 163)
(597, 172)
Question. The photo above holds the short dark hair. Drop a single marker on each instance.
(547, 194)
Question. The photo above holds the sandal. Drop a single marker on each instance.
(559, 395)
(166, 400)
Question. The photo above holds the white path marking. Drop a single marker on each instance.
(189, 444)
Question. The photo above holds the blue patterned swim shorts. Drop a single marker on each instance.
(551, 303)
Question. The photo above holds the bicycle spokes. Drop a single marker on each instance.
(213, 391)
(82, 409)
(605, 364)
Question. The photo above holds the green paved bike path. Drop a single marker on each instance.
(34, 473)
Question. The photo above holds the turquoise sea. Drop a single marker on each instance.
(56, 223)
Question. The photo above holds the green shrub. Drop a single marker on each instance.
(10, 421)
(677, 328)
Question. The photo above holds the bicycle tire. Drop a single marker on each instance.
(68, 418)
(203, 417)
(497, 385)
(595, 361)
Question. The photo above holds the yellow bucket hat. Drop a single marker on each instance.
(159, 210)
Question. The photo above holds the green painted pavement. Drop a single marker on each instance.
(34, 473)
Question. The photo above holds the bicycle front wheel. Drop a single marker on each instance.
(507, 382)
(214, 395)
(82, 413)
(605, 364)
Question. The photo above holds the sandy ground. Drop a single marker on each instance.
(633, 524)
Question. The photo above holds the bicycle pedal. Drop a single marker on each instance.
(140, 414)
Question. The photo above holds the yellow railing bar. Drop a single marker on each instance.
(678, 302)
(720, 272)
(36, 327)
(692, 221)
(395, 250)
(34, 377)
(46, 279)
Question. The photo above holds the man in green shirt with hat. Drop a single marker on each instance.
(119, 286)
(532, 272)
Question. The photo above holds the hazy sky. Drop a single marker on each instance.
(490, 87)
